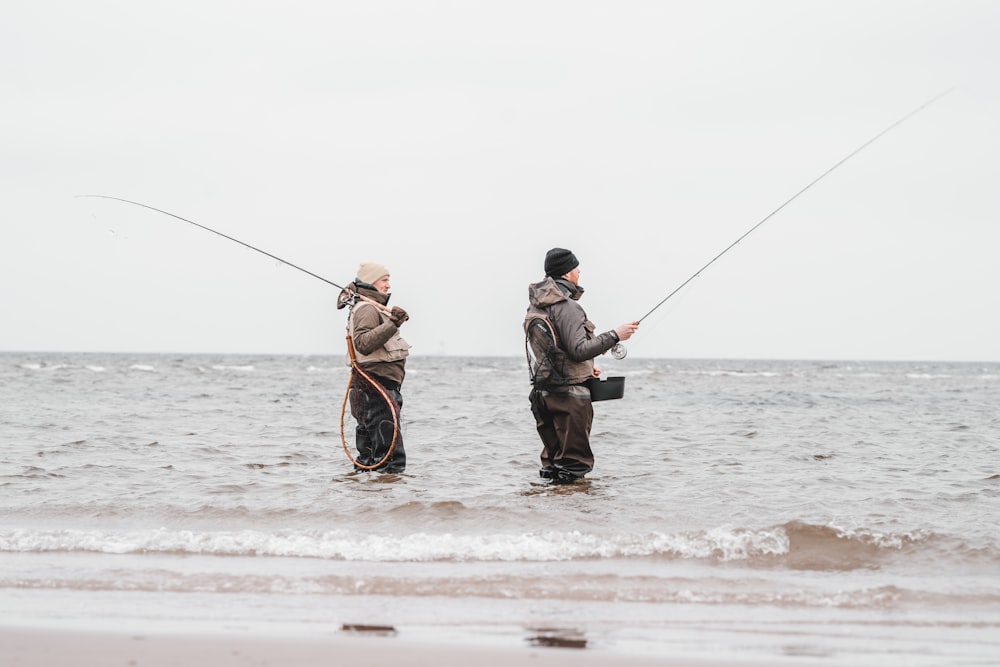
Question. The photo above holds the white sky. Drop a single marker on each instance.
(456, 142)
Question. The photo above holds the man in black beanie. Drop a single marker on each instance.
(559, 262)
(562, 346)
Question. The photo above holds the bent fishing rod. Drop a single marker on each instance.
(226, 236)
(796, 195)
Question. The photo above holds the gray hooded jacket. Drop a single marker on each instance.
(556, 300)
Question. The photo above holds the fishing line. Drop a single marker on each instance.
(225, 236)
(795, 196)
(350, 294)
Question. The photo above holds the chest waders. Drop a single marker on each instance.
(369, 385)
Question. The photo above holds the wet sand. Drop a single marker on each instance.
(33, 647)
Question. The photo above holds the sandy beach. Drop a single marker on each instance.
(35, 647)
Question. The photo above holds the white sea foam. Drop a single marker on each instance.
(35, 366)
(719, 544)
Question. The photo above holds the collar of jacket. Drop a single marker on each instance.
(369, 292)
(569, 289)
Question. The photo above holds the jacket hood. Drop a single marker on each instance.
(552, 290)
(364, 289)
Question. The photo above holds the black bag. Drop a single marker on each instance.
(545, 364)
(602, 389)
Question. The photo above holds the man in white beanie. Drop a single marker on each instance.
(381, 353)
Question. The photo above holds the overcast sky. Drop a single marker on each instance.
(456, 142)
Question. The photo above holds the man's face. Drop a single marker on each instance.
(573, 276)
(382, 284)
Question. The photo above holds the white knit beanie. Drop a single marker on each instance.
(369, 272)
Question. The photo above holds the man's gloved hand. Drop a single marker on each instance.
(397, 315)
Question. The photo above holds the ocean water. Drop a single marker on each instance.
(783, 511)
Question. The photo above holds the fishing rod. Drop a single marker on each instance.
(795, 196)
(226, 236)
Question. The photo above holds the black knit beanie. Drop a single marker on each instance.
(559, 262)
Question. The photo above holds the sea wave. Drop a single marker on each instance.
(734, 373)
(586, 588)
(794, 545)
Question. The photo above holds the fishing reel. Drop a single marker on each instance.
(618, 350)
(348, 298)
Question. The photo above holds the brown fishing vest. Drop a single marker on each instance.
(394, 349)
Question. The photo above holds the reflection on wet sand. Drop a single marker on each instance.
(556, 638)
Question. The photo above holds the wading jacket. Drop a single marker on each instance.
(557, 300)
(378, 347)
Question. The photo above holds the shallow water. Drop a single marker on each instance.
(744, 509)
